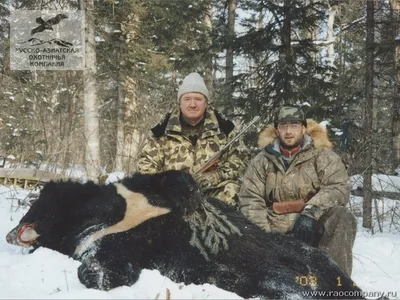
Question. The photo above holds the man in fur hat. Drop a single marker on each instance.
(189, 136)
(298, 185)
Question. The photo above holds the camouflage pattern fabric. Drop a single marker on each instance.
(338, 228)
(174, 151)
(316, 174)
(288, 114)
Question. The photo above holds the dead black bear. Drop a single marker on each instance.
(160, 221)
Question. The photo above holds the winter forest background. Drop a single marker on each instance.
(339, 59)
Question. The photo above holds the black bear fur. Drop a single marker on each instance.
(257, 264)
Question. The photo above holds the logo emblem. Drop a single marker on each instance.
(47, 40)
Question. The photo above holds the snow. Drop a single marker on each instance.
(46, 274)
(115, 176)
(99, 39)
(380, 182)
(324, 123)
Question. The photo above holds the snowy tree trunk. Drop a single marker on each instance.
(119, 159)
(260, 20)
(230, 37)
(332, 11)
(368, 125)
(128, 137)
(286, 59)
(131, 134)
(311, 32)
(208, 78)
(395, 7)
(91, 109)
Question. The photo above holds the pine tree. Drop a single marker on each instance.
(282, 67)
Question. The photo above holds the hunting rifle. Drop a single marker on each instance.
(211, 162)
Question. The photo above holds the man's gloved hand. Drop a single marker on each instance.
(207, 179)
(305, 226)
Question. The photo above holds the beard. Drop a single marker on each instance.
(291, 147)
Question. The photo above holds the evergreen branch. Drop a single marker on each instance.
(210, 229)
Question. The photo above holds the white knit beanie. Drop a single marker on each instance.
(193, 83)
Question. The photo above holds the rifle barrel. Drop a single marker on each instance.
(218, 154)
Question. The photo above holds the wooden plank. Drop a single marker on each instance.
(31, 174)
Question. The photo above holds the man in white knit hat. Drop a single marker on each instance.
(189, 136)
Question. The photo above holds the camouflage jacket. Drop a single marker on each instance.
(169, 148)
(315, 174)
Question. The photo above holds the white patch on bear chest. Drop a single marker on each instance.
(138, 210)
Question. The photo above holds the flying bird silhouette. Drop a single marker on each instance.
(47, 24)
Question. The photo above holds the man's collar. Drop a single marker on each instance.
(291, 152)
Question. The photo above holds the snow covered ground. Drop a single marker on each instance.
(380, 182)
(46, 274)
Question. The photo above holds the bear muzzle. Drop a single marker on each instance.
(23, 235)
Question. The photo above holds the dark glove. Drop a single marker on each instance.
(304, 228)
(208, 179)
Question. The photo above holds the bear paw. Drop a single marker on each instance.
(94, 275)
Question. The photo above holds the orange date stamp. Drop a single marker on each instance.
(312, 280)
